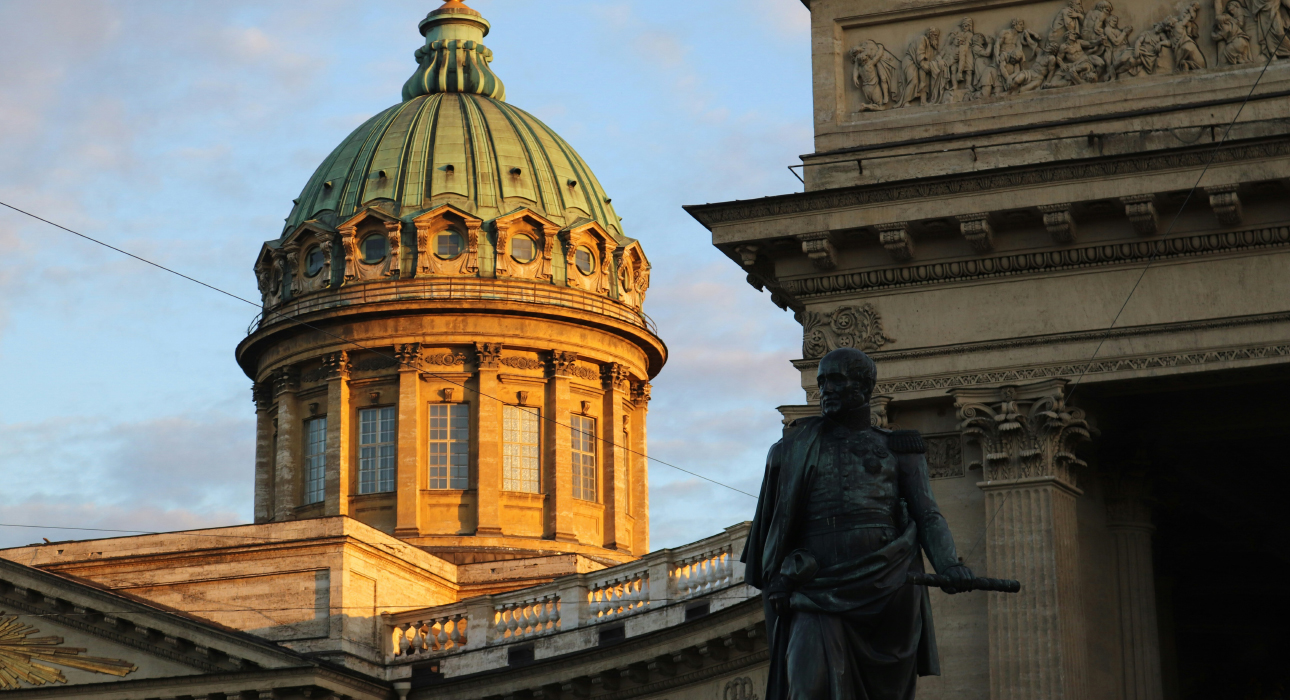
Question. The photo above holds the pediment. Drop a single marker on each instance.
(58, 631)
(365, 215)
(309, 230)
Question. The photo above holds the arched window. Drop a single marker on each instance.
(523, 249)
(448, 245)
(374, 248)
(584, 260)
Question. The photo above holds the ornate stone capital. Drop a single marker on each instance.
(262, 395)
(819, 248)
(878, 416)
(1226, 204)
(335, 366)
(843, 327)
(1141, 210)
(641, 393)
(562, 363)
(488, 355)
(286, 379)
(978, 232)
(1024, 431)
(394, 230)
(895, 238)
(409, 356)
(1059, 221)
(613, 375)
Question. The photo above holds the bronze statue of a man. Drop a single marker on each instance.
(844, 510)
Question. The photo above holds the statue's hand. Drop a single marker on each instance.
(958, 572)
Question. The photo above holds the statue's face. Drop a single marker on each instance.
(1019, 25)
(840, 390)
(966, 25)
(934, 37)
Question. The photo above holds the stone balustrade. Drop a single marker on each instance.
(707, 569)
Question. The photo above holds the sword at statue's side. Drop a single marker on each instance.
(1001, 585)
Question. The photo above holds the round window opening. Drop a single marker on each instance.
(523, 249)
(374, 249)
(583, 259)
(313, 262)
(448, 245)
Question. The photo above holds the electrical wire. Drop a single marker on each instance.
(360, 346)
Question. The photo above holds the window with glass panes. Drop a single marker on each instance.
(450, 446)
(315, 459)
(584, 457)
(377, 433)
(520, 449)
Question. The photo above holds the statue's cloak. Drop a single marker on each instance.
(852, 591)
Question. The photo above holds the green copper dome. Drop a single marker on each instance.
(453, 140)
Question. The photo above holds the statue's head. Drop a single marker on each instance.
(846, 379)
(1019, 24)
(966, 25)
(1076, 5)
(934, 36)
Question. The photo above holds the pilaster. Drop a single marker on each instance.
(640, 459)
(262, 393)
(1129, 520)
(614, 381)
(559, 448)
(336, 484)
(412, 475)
(1027, 435)
(488, 416)
(286, 382)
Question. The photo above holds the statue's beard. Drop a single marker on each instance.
(837, 405)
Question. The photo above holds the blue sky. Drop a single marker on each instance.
(181, 131)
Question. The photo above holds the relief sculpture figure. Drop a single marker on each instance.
(1187, 55)
(874, 72)
(1010, 51)
(845, 515)
(1068, 20)
(1234, 46)
(923, 69)
(1273, 19)
(958, 55)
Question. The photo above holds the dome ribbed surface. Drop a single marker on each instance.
(471, 151)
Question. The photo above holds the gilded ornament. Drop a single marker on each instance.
(24, 658)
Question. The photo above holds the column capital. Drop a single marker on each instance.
(262, 395)
(562, 363)
(1025, 431)
(878, 416)
(641, 393)
(286, 379)
(408, 356)
(612, 376)
(488, 355)
(335, 366)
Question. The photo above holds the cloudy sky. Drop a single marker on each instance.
(181, 131)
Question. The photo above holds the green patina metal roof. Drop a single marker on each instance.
(453, 140)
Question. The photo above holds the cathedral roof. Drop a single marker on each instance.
(454, 140)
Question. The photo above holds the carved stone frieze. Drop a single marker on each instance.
(1024, 431)
(844, 327)
(488, 355)
(944, 456)
(1059, 221)
(445, 359)
(590, 374)
(1027, 263)
(1226, 204)
(896, 239)
(819, 249)
(1086, 42)
(523, 363)
(978, 232)
(1141, 210)
(28, 658)
(374, 364)
(1079, 369)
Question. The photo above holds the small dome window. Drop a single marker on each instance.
(448, 245)
(584, 260)
(313, 261)
(523, 249)
(374, 248)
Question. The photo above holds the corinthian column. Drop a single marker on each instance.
(1026, 434)
(1129, 520)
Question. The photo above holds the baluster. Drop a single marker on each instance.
(442, 638)
(542, 617)
(455, 636)
(402, 645)
(555, 612)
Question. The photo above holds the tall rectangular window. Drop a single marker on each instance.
(520, 449)
(377, 449)
(583, 431)
(450, 446)
(315, 459)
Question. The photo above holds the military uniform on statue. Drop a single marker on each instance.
(844, 509)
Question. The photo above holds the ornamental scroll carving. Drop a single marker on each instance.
(1086, 42)
(844, 327)
(27, 658)
(523, 363)
(1023, 431)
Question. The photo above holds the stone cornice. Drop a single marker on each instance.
(1129, 252)
(1079, 369)
(1027, 176)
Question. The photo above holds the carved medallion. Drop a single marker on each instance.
(26, 658)
(844, 327)
(739, 689)
(523, 363)
(944, 456)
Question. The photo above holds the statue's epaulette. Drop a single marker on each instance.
(907, 441)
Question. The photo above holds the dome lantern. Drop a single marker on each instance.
(453, 59)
